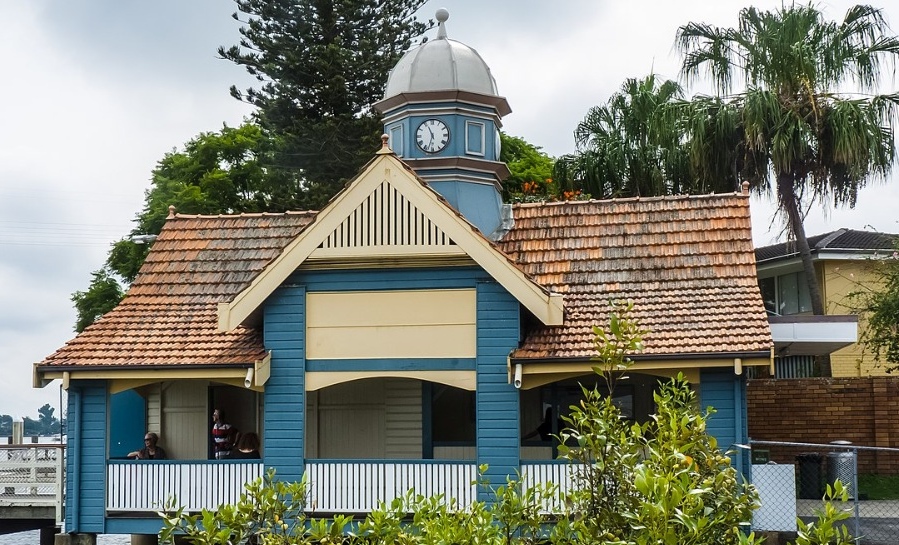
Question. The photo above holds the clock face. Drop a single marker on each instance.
(432, 136)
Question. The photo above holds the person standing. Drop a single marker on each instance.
(223, 435)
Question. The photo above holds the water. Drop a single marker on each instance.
(33, 537)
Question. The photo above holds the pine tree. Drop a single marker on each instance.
(321, 65)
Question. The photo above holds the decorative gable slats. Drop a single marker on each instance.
(385, 218)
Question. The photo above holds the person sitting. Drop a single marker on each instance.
(151, 450)
(247, 447)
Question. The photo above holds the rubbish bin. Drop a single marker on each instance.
(841, 465)
(810, 476)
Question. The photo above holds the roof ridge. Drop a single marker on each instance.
(246, 215)
(830, 237)
(635, 199)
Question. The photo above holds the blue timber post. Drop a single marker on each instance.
(285, 392)
(726, 393)
(86, 458)
(497, 400)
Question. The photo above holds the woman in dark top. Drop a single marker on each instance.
(151, 450)
(247, 447)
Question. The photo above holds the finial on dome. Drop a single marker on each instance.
(442, 15)
(385, 148)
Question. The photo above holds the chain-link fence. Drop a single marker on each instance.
(792, 477)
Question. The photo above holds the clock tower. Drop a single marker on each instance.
(442, 114)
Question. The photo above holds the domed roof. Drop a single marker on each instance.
(441, 64)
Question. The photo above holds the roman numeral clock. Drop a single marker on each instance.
(432, 135)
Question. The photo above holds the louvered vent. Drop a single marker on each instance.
(386, 218)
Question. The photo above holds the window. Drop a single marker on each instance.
(786, 294)
(396, 142)
(474, 138)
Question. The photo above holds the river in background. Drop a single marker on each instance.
(33, 537)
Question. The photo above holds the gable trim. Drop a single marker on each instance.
(386, 168)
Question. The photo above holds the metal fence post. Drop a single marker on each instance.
(856, 493)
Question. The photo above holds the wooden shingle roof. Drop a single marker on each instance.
(687, 263)
(169, 317)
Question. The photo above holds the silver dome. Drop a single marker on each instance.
(440, 65)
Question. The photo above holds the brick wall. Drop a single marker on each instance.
(864, 411)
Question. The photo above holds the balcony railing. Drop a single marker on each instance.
(335, 486)
(147, 486)
(358, 486)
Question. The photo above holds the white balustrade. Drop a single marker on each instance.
(360, 486)
(333, 486)
(147, 486)
(560, 474)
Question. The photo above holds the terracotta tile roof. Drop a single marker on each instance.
(840, 240)
(169, 316)
(686, 262)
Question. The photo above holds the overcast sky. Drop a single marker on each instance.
(96, 92)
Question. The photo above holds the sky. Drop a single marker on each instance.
(97, 92)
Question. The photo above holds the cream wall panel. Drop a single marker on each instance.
(360, 308)
(392, 324)
(351, 420)
(403, 423)
(392, 342)
(536, 453)
(184, 425)
(154, 408)
(455, 453)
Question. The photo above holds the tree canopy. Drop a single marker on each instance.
(878, 304)
(782, 74)
(321, 65)
(215, 173)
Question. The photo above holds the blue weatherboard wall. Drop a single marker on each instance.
(497, 400)
(726, 392)
(285, 335)
(86, 462)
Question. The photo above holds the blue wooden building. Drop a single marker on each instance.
(412, 330)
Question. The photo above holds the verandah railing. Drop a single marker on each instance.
(358, 486)
(335, 486)
(147, 486)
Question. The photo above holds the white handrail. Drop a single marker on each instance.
(147, 486)
(360, 486)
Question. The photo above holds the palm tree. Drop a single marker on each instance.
(624, 148)
(800, 136)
